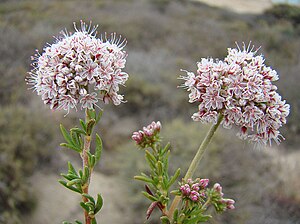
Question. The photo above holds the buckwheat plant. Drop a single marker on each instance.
(237, 91)
(80, 71)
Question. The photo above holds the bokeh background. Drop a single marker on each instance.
(163, 36)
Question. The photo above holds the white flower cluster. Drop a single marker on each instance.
(80, 69)
(240, 88)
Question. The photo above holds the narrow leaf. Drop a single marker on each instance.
(164, 220)
(150, 156)
(84, 206)
(90, 126)
(75, 181)
(83, 125)
(99, 204)
(99, 147)
(159, 168)
(167, 147)
(71, 168)
(89, 197)
(150, 197)
(99, 116)
(66, 135)
(64, 183)
(174, 178)
(142, 178)
(71, 146)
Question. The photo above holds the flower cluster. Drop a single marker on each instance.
(196, 191)
(239, 88)
(80, 69)
(148, 136)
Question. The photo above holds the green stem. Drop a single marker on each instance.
(84, 156)
(195, 162)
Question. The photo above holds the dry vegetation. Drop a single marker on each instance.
(163, 37)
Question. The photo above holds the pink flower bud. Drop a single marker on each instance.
(204, 182)
(218, 187)
(137, 137)
(185, 189)
(194, 196)
(196, 187)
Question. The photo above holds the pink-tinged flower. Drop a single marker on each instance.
(204, 183)
(194, 196)
(239, 88)
(148, 136)
(80, 68)
(218, 188)
(185, 189)
(228, 202)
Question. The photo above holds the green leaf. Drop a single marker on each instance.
(174, 178)
(83, 125)
(84, 206)
(150, 156)
(71, 146)
(64, 183)
(71, 168)
(66, 135)
(99, 116)
(77, 222)
(90, 126)
(94, 221)
(164, 220)
(74, 181)
(86, 175)
(175, 215)
(78, 130)
(159, 168)
(99, 204)
(150, 162)
(91, 205)
(149, 196)
(167, 147)
(145, 179)
(99, 146)
(69, 176)
(89, 197)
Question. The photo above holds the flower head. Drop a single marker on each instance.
(240, 88)
(80, 69)
(148, 136)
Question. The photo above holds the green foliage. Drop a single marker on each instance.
(22, 132)
(158, 182)
(285, 12)
(78, 181)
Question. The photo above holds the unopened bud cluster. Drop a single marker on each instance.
(197, 191)
(194, 190)
(220, 202)
(80, 69)
(240, 88)
(148, 136)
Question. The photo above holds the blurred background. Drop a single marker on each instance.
(163, 36)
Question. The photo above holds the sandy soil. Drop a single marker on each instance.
(57, 204)
(241, 6)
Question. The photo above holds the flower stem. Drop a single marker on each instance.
(84, 156)
(195, 162)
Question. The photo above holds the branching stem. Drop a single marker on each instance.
(195, 162)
